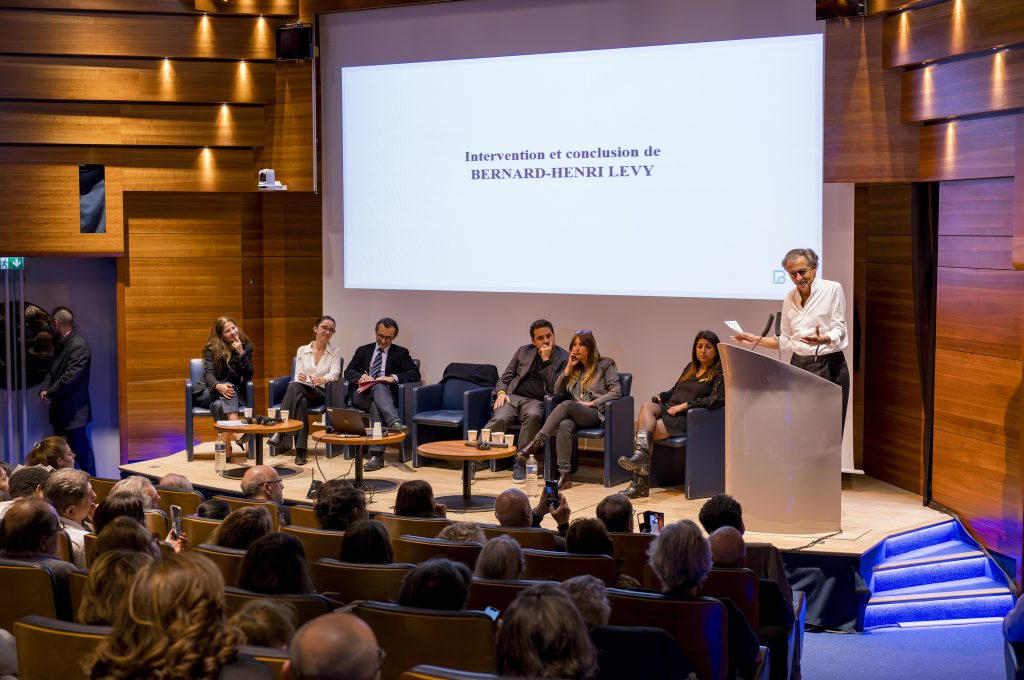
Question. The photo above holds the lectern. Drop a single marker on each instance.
(783, 444)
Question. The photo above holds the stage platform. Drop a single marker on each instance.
(872, 510)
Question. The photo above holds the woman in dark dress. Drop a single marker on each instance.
(701, 385)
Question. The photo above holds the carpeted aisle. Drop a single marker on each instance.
(969, 652)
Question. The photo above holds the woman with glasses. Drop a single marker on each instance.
(316, 364)
(589, 381)
(701, 385)
(227, 367)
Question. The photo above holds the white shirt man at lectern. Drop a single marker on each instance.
(813, 323)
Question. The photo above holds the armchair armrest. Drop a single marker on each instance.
(406, 394)
(476, 406)
(276, 387)
(336, 393)
(551, 401)
(618, 438)
(250, 393)
(426, 398)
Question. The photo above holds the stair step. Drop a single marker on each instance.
(899, 564)
(932, 573)
(921, 538)
(971, 585)
(939, 595)
(906, 610)
(943, 549)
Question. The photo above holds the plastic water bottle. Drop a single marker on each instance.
(220, 454)
(531, 476)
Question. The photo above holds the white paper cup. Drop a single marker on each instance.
(282, 414)
(247, 411)
(497, 437)
(485, 434)
(510, 439)
(471, 435)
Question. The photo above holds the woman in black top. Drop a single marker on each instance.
(701, 385)
(227, 367)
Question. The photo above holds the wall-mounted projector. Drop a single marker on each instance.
(268, 181)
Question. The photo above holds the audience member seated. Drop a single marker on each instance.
(118, 505)
(681, 558)
(52, 451)
(26, 482)
(241, 528)
(5, 480)
(616, 511)
(338, 505)
(436, 584)
(463, 531)
(367, 542)
(140, 486)
(29, 531)
(775, 614)
(174, 627)
(1013, 624)
(263, 483)
(543, 635)
(502, 558)
(265, 623)
(512, 510)
(124, 533)
(700, 385)
(334, 647)
(214, 508)
(175, 481)
(415, 498)
(8, 656)
(590, 537)
(276, 564)
(722, 510)
(589, 381)
(69, 491)
(110, 577)
(316, 364)
(617, 646)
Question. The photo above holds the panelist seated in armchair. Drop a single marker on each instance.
(227, 367)
(589, 381)
(380, 367)
(701, 385)
(530, 376)
(316, 364)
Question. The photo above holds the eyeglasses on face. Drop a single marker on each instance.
(385, 338)
(328, 330)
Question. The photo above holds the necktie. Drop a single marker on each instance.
(375, 366)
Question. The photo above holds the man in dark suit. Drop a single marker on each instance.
(65, 389)
(380, 367)
(519, 394)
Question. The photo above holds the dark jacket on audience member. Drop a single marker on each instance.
(638, 652)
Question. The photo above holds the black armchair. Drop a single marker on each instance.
(195, 376)
(701, 466)
(617, 433)
(452, 407)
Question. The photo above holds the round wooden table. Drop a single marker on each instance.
(458, 450)
(359, 444)
(257, 432)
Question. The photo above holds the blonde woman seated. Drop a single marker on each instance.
(316, 364)
(589, 381)
(701, 385)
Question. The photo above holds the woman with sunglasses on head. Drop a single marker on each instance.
(316, 364)
(227, 367)
(589, 381)
(701, 385)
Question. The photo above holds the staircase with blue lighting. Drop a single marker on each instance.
(932, 575)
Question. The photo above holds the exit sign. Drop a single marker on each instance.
(12, 263)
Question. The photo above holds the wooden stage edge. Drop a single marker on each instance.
(872, 510)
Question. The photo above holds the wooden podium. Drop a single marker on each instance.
(783, 444)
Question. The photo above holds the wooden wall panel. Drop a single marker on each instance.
(229, 7)
(966, 149)
(885, 6)
(993, 81)
(289, 128)
(1018, 195)
(865, 140)
(892, 446)
(121, 80)
(977, 396)
(40, 123)
(948, 29)
(188, 170)
(980, 207)
(137, 35)
(981, 310)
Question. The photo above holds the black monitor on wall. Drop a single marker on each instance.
(295, 42)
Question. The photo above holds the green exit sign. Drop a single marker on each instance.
(12, 263)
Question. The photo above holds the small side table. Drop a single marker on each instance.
(359, 444)
(457, 450)
(257, 432)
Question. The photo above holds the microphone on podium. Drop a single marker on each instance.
(767, 328)
(778, 331)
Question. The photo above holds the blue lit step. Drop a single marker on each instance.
(948, 606)
(960, 586)
(921, 539)
(927, 552)
(965, 566)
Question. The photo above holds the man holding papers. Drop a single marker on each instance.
(378, 368)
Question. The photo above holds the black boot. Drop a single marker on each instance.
(639, 488)
(564, 481)
(524, 453)
(640, 461)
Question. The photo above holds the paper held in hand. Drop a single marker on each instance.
(734, 326)
(370, 383)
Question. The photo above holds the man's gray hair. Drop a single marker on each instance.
(66, 487)
(590, 595)
(812, 257)
(134, 485)
(681, 556)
